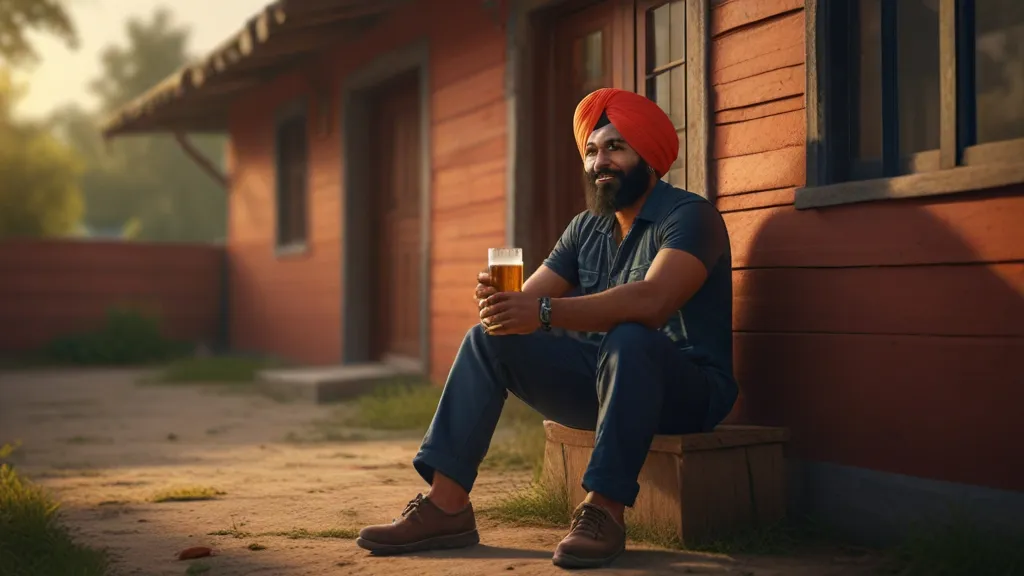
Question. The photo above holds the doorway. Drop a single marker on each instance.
(386, 197)
(395, 147)
(582, 47)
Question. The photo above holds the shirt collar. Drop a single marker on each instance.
(649, 212)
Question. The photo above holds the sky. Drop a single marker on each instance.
(62, 75)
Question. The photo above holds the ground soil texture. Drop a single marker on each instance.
(104, 445)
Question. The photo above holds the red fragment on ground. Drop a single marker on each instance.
(194, 552)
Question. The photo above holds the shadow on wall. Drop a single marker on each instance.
(888, 337)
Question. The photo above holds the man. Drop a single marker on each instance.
(654, 354)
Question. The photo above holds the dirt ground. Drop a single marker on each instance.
(105, 445)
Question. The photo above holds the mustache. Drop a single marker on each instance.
(593, 176)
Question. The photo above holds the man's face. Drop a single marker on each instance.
(614, 175)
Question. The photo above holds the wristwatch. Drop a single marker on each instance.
(545, 313)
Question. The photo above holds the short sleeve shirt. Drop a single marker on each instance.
(587, 256)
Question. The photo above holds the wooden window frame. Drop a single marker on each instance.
(697, 86)
(285, 242)
(529, 77)
(954, 168)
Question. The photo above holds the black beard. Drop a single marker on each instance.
(622, 191)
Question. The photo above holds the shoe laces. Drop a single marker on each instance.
(589, 519)
(411, 507)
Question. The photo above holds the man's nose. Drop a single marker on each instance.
(602, 160)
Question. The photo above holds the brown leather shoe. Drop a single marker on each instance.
(594, 539)
(423, 526)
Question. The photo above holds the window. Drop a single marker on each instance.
(913, 86)
(661, 62)
(291, 143)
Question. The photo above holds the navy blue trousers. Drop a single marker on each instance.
(636, 383)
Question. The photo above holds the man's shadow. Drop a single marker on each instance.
(672, 561)
(886, 335)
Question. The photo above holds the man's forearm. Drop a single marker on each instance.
(632, 302)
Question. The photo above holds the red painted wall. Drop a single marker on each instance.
(50, 288)
(884, 334)
(292, 305)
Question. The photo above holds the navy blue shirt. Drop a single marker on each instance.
(586, 255)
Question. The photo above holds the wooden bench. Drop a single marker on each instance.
(703, 486)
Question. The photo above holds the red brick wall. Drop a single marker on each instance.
(292, 306)
(51, 288)
(884, 334)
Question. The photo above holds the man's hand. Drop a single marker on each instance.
(507, 313)
(484, 288)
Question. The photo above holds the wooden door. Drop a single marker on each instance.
(396, 210)
(589, 48)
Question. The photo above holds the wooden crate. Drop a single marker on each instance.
(702, 486)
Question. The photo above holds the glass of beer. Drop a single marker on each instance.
(505, 265)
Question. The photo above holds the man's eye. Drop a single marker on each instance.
(591, 152)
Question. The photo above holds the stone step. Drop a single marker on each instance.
(324, 384)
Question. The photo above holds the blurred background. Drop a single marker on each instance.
(65, 65)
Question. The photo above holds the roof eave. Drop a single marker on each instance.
(196, 97)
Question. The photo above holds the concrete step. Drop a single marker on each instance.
(324, 384)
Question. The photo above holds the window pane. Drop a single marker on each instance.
(659, 27)
(867, 88)
(918, 74)
(999, 74)
(668, 89)
(592, 56)
(677, 35)
(666, 34)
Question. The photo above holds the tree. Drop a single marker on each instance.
(19, 16)
(147, 178)
(39, 194)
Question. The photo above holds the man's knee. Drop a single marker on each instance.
(492, 347)
(629, 335)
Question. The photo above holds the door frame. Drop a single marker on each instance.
(356, 92)
(530, 82)
(527, 85)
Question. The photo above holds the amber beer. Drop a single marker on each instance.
(506, 269)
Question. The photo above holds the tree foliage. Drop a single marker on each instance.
(144, 183)
(39, 193)
(18, 17)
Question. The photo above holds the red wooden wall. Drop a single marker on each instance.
(292, 305)
(51, 288)
(886, 335)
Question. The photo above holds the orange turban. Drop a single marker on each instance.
(643, 124)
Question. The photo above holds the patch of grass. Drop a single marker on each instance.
(520, 448)
(535, 505)
(187, 494)
(538, 505)
(81, 440)
(215, 369)
(958, 547)
(303, 534)
(406, 403)
(197, 568)
(293, 534)
(256, 546)
(33, 540)
(410, 405)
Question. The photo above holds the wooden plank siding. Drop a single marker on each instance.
(883, 334)
(292, 305)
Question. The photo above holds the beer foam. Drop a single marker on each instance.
(505, 257)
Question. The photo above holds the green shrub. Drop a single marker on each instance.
(126, 337)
